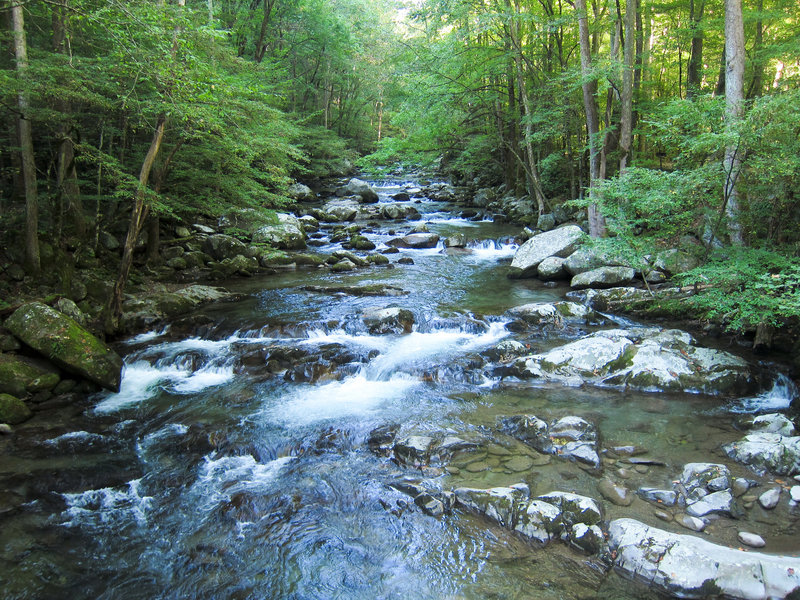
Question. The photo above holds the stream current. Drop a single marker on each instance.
(234, 461)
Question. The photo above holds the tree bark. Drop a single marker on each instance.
(734, 105)
(694, 69)
(32, 261)
(629, 55)
(757, 85)
(138, 216)
(597, 227)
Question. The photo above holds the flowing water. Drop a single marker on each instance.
(234, 462)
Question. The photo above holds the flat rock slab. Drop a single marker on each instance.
(559, 242)
(685, 566)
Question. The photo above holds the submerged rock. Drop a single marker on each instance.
(65, 343)
(569, 437)
(557, 242)
(686, 566)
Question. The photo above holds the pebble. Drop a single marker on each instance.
(452, 470)
(609, 462)
(751, 539)
(748, 505)
(769, 499)
(641, 469)
(519, 463)
(692, 523)
(624, 473)
(749, 498)
(5, 428)
(663, 515)
(795, 493)
(493, 462)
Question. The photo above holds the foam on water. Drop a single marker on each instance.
(218, 478)
(490, 250)
(107, 506)
(146, 337)
(779, 397)
(355, 396)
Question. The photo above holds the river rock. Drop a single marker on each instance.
(309, 223)
(555, 314)
(457, 240)
(767, 452)
(21, 375)
(689, 522)
(380, 321)
(394, 212)
(569, 437)
(647, 359)
(301, 193)
(751, 539)
(721, 503)
(147, 310)
(357, 187)
(686, 566)
(241, 265)
(603, 277)
(499, 504)
(359, 242)
(794, 493)
(546, 222)
(413, 451)
(401, 197)
(286, 234)
(663, 497)
(551, 268)
(13, 410)
(415, 240)
(588, 258)
(616, 494)
(338, 255)
(220, 247)
(339, 211)
(381, 439)
(559, 242)
(769, 423)
(65, 343)
(770, 499)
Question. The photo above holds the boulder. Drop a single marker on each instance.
(674, 262)
(415, 240)
(413, 451)
(551, 268)
(21, 375)
(603, 277)
(559, 242)
(13, 410)
(399, 211)
(555, 314)
(769, 423)
(287, 234)
(357, 187)
(359, 242)
(309, 224)
(65, 343)
(339, 211)
(546, 222)
(301, 193)
(241, 265)
(220, 247)
(647, 359)
(686, 566)
(149, 309)
(457, 240)
(381, 321)
(767, 452)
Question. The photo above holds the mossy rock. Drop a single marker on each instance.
(377, 259)
(359, 242)
(20, 376)
(13, 410)
(65, 343)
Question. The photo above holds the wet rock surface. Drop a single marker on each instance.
(571, 437)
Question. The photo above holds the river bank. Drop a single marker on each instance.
(399, 431)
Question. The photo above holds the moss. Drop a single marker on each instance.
(13, 410)
(19, 376)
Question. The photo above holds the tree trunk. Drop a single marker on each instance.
(757, 85)
(261, 47)
(629, 54)
(32, 261)
(597, 227)
(138, 217)
(734, 105)
(694, 69)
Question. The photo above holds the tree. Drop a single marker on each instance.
(734, 106)
(32, 260)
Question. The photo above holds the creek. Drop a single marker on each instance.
(234, 462)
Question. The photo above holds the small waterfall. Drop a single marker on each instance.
(779, 397)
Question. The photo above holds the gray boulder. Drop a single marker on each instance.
(381, 321)
(767, 452)
(399, 211)
(339, 211)
(555, 314)
(647, 359)
(457, 240)
(220, 247)
(301, 193)
(570, 437)
(64, 342)
(551, 268)
(546, 222)
(357, 187)
(415, 240)
(674, 262)
(686, 566)
(558, 242)
(603, 277)
(287, 234)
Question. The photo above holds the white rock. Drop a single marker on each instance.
(770, 498)
(795, 493)
(751, 539)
